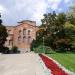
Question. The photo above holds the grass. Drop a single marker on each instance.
(66, 59)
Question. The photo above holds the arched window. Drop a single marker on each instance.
(28, 32)
(29, 39)
(24, 39)
(19, 39)
(19, 32)
(24, 31)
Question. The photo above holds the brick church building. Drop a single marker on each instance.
(21, 35)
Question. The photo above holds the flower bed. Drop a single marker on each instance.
(52, 66)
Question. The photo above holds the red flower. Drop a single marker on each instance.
(52, 66)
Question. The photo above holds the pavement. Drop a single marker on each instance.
(20, 64)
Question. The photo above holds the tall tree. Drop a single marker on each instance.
(55, 35)
(71, 10)
(3, 35)
(53, 23)
(71, 14)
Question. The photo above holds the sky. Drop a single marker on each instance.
(14, 11)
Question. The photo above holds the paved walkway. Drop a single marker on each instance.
(20, 64)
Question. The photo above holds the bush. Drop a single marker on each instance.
(4, 50)
(15, 50)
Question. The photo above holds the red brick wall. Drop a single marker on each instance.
(21, 40)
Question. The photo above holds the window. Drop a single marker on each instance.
(28, 32)
(19, 32)
(24, 39)
(19, 39)
(24, 31)
(29, 39)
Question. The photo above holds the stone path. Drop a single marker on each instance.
(20, 64)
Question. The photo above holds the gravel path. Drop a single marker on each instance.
(20, 64)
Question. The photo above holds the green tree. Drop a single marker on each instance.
(71, 14)
(49, 22)
(55, 34)
(53, 25)
(71, 10)
(3, 36)
(71, 19)
(71, 24)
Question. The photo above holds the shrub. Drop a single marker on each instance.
(4, 50)
(15, 50)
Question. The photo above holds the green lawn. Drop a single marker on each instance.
(66, 59)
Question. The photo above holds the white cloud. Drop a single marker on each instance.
(27, 9)
(66, 1)
(2, 9)
(39, 10)
(54, 1)
(53, 4)
(60, 9)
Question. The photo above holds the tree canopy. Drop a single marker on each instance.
(3, 36)
(57, 30)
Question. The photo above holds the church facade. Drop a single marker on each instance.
(21, 35)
